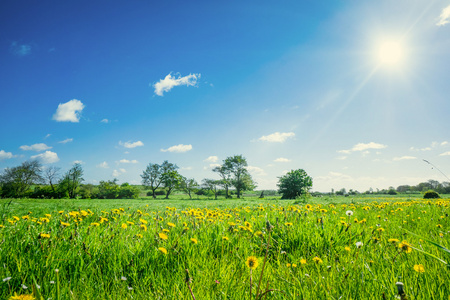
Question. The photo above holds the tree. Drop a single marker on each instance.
(294, 184)
(152, 178)
(212, 185)
(170, 177)
(51, 175)
(225, 175)
(241, 179)
(188, 185)
(71, 181)
(16, 181)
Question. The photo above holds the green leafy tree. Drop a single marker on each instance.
(294, 184)
(170, 177)
(225, 176)
(212, 185)
(70, 183)
(241, 179)
(152, 177)
(188, 185)
(16, 182)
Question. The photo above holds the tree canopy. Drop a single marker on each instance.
(294, 184)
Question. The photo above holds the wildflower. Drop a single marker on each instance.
(252, 262)
(95, 224)
(225, 238)
(294, 265)
(24, 286)
(439, 226)
(259, 233)
(64, 224)
(124, 226)
(193, 241)
(44, 235)
(323, 210)
(419, 268)
(163, 236)
(317, 260)
(393, 241)
(359, 244)
(171, 224)
(347, 248)
(7, 279)
(22, 297)
(129, 288)
(123, 278)
(130, 223)
(380, 229)
(16, 218)
(143, 227)
(441, 234)
(163, 250)
(52, 282)
(143, 221)
(139, 235)
(308, 206)
(56, 270)
(166, 230)
(288, 265)
(303, 261)
(2, 226)
(349, 213)
(404, 246)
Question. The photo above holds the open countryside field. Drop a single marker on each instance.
(325, 248)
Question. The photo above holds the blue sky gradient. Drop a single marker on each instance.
(292, 84)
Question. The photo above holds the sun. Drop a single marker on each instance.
(390, 53)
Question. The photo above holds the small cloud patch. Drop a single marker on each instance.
(169, 82)
(277, 137)
(48, 157)
(36, 147)
(178, 148)
(69, 111)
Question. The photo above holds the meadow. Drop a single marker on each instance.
(324, 248)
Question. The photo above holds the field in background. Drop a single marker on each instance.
(324, 248)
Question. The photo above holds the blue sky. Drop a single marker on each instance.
(354, 92)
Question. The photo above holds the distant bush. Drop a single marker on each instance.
(392, 192)
(430, 194)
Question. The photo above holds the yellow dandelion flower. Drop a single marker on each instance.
(143, 227)
(22, 297)
(347, 248)
(404, 246)
(303, 261)
(439, 226)
(130, 223)
(380, 229)
(139, 235)
(288, 224)
(95, 224)
(308, 206)
(171, 224)
(225, 238)
(419, 268)
(163, 236)
(143, 221)
(166, 230)
(44, 235)
(163, 250)
(64, 224)
(252, 262)
(294, 265)
(317, 260)
(288, 265)
(124, 226)
(193, 241)
(393, 241)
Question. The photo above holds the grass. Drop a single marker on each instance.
(116, 249)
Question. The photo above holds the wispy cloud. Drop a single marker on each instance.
(363, 148)
(282, 159)
(66, 141)
(36, 147)
(117, 173)
(444, 18)
(277, 137)
(126, 161)
(103, 165)
(178, 148)
(130, 145)
(256, 171)
(69, 111)
(169, 82)
(48, 157)
(104, 121)
(5, 155)
(445, 153)
(404, 158)
(212, 159)
(78, 162)
(20, 50)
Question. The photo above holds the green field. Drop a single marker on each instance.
(141, 249)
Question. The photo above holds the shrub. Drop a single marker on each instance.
(430, 194)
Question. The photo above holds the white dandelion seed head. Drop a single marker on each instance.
(52, 282)
(130, 288)
(7, 279)
(359, 244)
(349, 213)
(38, 286)
(24, 286)
(123, 278)
(56, 270)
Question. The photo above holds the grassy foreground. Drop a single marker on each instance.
(247, 249)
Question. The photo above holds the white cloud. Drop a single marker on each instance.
(344, 151)
(36, 147)
(420, 149)
(256, 171)
(211, 166)
(78, 162)
(282, 159)
(445, 153)
(404, 158)
(371, 145)
(48, 157)
(131, 145)
(212, 159)
(20, 50)
(444, 18)
(178, 148)
(126, 161)
(66, 141)
(69, 111)
(47, 136)
(103, 165)
(123, 170)
(277, 137)
(105, 121)
(166, 84)
(5, 155)
(117, 173)
(444, 143)
(185, 168)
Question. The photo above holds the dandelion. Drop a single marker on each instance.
(64, 224)
(404, 246)
(225, 238)
(7, 279)
(139, 235)
(123, 278)
(252, 262)
(347, 248)
(308, 206)
(294, 265)
(349, 213)
(419, 268)
(44, 235)
(303, 261)
(162, 236)
(393, 241)
(288, 224)
(24, 286)
(22, 297)
(166, 230)
(193, 241)
(359, 244)
(124, 226)
(163, 250)
(143, 227)
(171, 224)
(52, 282)
(317, 260)
(288, 265)
(95, 224)
(143, 221)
